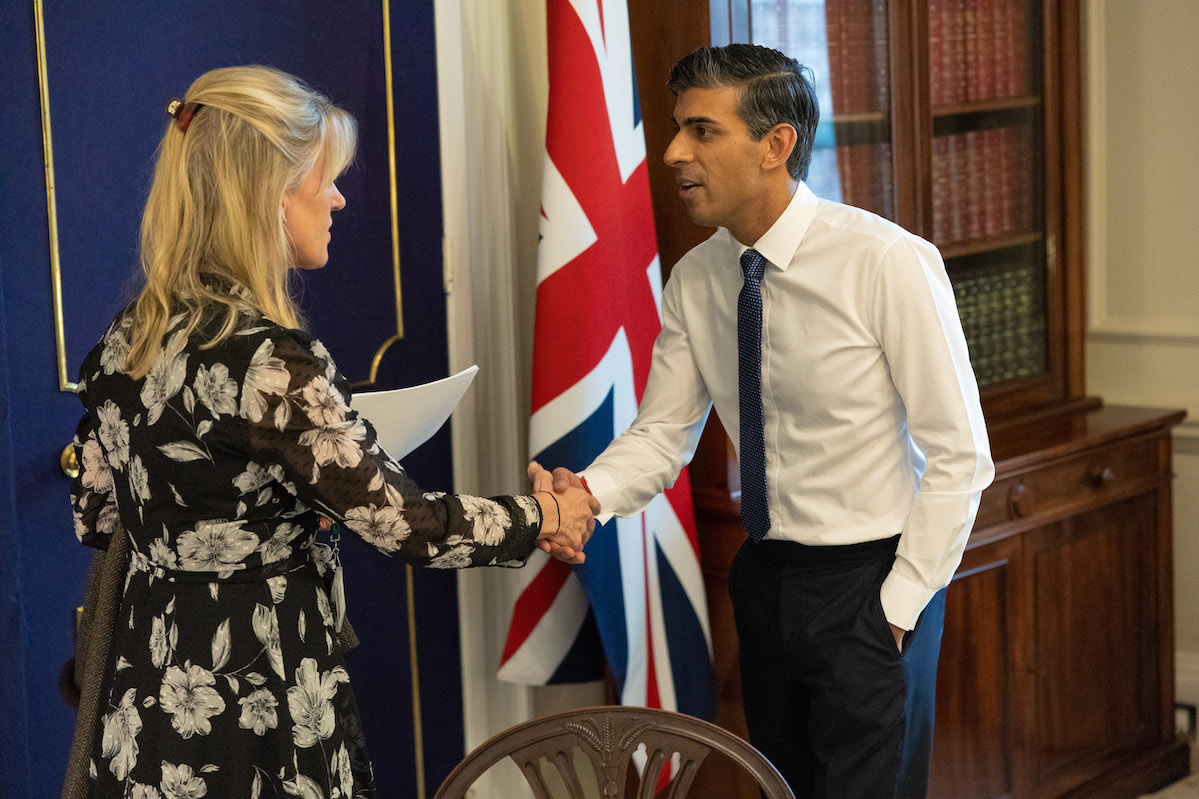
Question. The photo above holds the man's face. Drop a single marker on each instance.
(718, 166)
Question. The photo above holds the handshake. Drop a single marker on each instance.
(563, 498)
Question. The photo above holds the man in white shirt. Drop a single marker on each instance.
(844, 378)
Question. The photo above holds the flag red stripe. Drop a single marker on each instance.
(652, 697)
(533, 603)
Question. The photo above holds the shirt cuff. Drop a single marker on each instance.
(603, 488)
(903, 600)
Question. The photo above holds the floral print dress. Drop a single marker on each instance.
(226, 678)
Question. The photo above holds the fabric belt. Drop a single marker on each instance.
(296, 560)
(793, 553)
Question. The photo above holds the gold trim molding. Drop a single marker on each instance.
(64, 383)
(51, 206)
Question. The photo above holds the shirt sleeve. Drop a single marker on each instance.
(297, 410)
(646, 458)
(93, 500)
(921, 336)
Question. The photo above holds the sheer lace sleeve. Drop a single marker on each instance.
(296, 406)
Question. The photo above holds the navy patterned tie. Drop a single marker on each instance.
(755, 509)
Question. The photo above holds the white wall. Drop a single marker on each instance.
(1142, 106)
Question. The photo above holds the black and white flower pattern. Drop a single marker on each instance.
(383, 527)
(97, 476)
(258, 712)
(310, 702)
(165, 378)
(113, 433)
(266, 375)
(216, 391)
(490, 519)
(180, 782)
(213, 546)
(188, 695)
(119, 742)
(218, 466)
(324, 404)
(116, 350)
(339, 443)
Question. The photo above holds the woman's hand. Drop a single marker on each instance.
(574, 509)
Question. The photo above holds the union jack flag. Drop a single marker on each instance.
(597, 315)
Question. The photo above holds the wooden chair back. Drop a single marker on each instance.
(609, 736)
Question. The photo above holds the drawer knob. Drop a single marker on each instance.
(1101, 476)
(1019, 501)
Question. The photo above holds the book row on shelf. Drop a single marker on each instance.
(797, 29)
(982, 184)
(1003, 319)
(857, 55)
(978, 50)
(858, 174)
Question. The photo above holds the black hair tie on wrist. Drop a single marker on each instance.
(556, 506)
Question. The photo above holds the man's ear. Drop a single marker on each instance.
(780, 141)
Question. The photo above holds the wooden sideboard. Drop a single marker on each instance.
(1056, 676)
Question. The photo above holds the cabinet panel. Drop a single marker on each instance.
(975, 749)
(1095, 603)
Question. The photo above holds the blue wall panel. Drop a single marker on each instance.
(111, 69)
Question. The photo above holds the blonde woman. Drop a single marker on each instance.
(217, 435)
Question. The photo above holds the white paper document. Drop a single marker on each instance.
(405, 418)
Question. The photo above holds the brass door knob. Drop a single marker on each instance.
(68, 461)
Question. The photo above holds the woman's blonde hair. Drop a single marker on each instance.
(214, 208)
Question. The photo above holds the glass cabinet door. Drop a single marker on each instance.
(982, 178)
(845, 45)
(988, 178)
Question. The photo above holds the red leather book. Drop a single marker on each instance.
(886, 181)
(970, 45)
(857, 55)
(972, 222)
(1017, 49)
(988, 53)
(1007, 186)
(937, 43)
(942, 190)
(959, 186)
(1020, 159)
(957, 67)
(1002, 46)
(993, 158)
(882, 66)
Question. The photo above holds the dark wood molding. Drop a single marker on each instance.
(661, 34)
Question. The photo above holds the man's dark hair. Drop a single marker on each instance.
(772, 89)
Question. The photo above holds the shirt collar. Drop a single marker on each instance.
(779, 244)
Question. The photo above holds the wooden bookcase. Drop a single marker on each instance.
(961, 121)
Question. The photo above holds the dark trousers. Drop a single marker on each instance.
(828, 697)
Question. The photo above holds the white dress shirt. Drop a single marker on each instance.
(872, 417)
